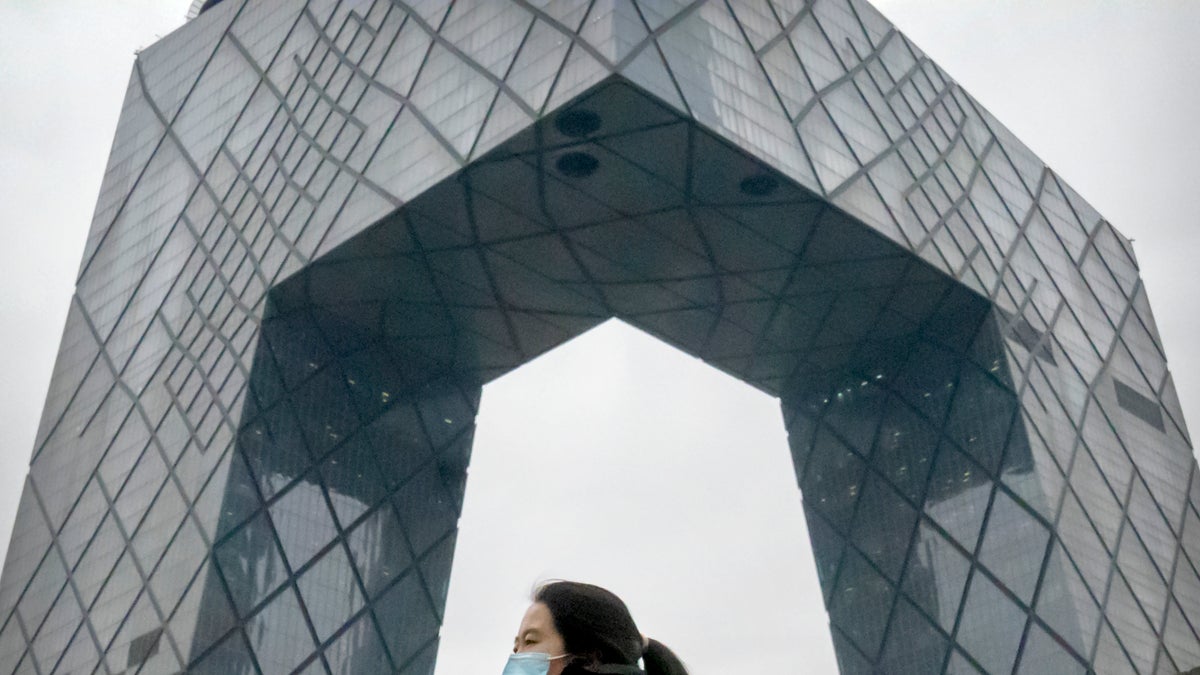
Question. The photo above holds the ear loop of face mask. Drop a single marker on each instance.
(530, 663)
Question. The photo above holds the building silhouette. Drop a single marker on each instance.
(325, 225)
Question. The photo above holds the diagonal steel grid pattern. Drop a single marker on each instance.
(325, 225)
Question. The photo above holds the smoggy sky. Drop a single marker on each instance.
(616, 459)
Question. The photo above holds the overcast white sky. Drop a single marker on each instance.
(643, 450)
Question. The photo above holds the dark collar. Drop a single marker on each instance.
(613, 669)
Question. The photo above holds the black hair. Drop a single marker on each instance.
(599, 633)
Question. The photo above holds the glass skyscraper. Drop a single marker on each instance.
(326, 224)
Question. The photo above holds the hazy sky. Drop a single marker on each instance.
(630, 460)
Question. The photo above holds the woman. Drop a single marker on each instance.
(581, 629)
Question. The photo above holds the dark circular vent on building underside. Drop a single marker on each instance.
(577, 164)
(759, 185)
(577, 123)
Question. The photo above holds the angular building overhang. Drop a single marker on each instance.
(644, 216)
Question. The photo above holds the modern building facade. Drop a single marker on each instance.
(325, 225)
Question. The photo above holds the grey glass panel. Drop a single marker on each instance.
(379, 549)
(1043, 655)
(854, 414)
(904, 450)
(850, 660)
(980, 417)
(1013, 546)
(960, 665)
(427, 512)
(238, 498)
(232, 656)
(399, 443)
(48, 583)
(832, 479)
(913, 644)
(79, 653)
(330, 592)
(353, 463)
(854, 606)
(991, 626)
(1179, 639)
(936, 576)
(927, 382)
(302, 522)
(359, 650)
(408, 623)
(827, 550)
(958, 495)
(251, 563)
(279, 634)
(1065, 604)
(1144, 408)
(1110, 652)
(12, 646)
(274, 449)
(883, 526)
(206, 613)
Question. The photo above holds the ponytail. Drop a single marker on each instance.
(661, 661)
(599, 633)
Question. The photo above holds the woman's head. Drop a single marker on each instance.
(593, 631)
(538, 633)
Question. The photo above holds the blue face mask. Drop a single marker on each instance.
(530, 663)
